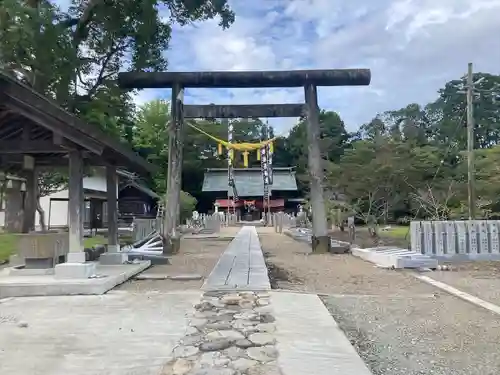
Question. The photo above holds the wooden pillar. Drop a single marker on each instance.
(75, 208)
(179, 150)
(30, 193)
(13, 206)
(172, 209)
(320, 238)
(112, 197)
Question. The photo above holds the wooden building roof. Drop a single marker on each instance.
(34, 125)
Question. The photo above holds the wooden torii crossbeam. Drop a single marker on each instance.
(309, 79)
(244, 111)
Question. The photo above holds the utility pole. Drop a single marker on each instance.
(470, 145)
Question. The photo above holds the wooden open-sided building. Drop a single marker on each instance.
(36, 133)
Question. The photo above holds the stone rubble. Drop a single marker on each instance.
(228, 334)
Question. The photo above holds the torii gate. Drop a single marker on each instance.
(309, 79)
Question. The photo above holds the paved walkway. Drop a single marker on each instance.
(241, 266)
(309, 340)
(115, 334)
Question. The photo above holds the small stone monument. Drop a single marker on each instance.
(352, 229)
(301, 217)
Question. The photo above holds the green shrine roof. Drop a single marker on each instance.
(249, 181)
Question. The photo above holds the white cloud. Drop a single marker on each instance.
(412, 47)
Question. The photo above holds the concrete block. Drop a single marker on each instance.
(111, 259)
(16, 260)
(75, 270)
(113, 248)
(22, 271)
(79, 257)
(49, 285)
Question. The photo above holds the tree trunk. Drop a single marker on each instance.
(41, 214)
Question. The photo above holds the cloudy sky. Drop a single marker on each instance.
(411, 46)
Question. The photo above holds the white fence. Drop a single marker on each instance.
(474, 239)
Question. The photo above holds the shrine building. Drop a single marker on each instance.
(249, 185)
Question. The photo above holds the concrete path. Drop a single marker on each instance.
(241, 266)
(115, 334)
(309, 340)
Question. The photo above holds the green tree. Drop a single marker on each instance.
(74, 56)
(334, 139)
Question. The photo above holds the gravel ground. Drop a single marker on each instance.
(481, 279)
(398, 324)
(195, 257)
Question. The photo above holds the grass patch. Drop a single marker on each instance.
(93, 241)
(396, 232)
(8, 244)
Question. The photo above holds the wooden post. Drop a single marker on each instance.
(13, 207)
(471, 181)
(172, 209)
(320, 238)
(75, 208)
(180, 149)
(31, 187)
(111, 187)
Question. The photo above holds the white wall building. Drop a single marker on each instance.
(56, 205)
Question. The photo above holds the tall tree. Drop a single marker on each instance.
(74, 55)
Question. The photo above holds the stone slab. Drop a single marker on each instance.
(22, 271)
(119, 333)
(309, 340)
(157, 276)
(395, 258)
(75, 270)
(241, 266)
(113, 259)
(16, 260)
(48, 285)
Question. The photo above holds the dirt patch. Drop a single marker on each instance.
(196, 256)
(279, 276)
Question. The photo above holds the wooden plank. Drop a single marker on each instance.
(112, 200)
(246, 79)
(243, 111)
(39, 117)
(32, 147)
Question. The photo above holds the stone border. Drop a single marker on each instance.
(458, 293)
(228, 334)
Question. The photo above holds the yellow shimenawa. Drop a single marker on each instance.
(245, 146)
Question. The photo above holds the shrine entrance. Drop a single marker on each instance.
(308, 79)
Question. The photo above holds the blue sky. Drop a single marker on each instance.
(411, 46)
